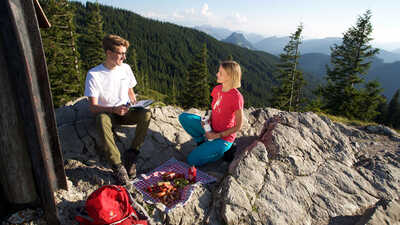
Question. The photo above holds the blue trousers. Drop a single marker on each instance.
(209, 151)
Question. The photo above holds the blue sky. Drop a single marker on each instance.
(321, 18)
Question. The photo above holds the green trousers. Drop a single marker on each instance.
(106, 121)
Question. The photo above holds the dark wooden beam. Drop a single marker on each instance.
(41, 16)
(28, 79)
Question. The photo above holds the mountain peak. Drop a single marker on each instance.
(238, 39)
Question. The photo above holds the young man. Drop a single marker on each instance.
(109, 87)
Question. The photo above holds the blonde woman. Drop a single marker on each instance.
(226, 117)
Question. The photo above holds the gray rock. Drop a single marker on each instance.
(311, 171)
(380, 129)
(388, 214)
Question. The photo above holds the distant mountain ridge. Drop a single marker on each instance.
(217, 33)
(275, 45)
(388, 56)
(222, 33)
(238, 39)
(319, 45)
(388, 74)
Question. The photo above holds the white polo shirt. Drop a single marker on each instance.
(110, 86)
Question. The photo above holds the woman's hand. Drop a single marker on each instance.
(225, 133)
(212, 135)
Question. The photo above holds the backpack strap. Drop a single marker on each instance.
(120, 221)
(135, 205)
(84, 220)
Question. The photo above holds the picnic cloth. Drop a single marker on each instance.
(172, 165)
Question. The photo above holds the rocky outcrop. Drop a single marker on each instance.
(305, 170)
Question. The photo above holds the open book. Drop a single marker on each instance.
(142, 103)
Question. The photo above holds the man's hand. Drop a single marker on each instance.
(120, 110)
(212, 135)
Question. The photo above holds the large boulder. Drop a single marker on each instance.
(305, 170)
(315, 176)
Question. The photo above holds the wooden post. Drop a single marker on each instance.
(28, 133)
(15, 165)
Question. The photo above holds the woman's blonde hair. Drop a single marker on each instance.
(111, 41)
(232, 68)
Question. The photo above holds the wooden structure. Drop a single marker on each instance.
(31, 164)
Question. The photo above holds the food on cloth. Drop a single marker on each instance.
(180, 182)
(165, 192)
(169, 176)
(177, 179)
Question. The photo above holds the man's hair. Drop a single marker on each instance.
(111, 41)
(232, 68)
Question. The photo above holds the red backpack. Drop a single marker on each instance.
(110, 205)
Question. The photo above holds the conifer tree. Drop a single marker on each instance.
(370, 100)
(342, 94)
(197, 90)
(383, 112)
(91, 40)
(393, 116)
(205, 88)
(146, 84)
(186, 96)
(174, 93)
(288, 95)
(62, 57)
(132, 62)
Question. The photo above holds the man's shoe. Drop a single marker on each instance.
(130, 159)
(121, 175)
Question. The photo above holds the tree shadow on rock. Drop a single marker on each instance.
(68, 210)
(93, 176)
(244, 141)
(344, 220)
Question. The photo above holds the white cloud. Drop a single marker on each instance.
(190, 11)
(240, 19)
(235, 21)
(189, 16)
(205, 11)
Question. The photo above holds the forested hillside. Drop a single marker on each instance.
(165, 51)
